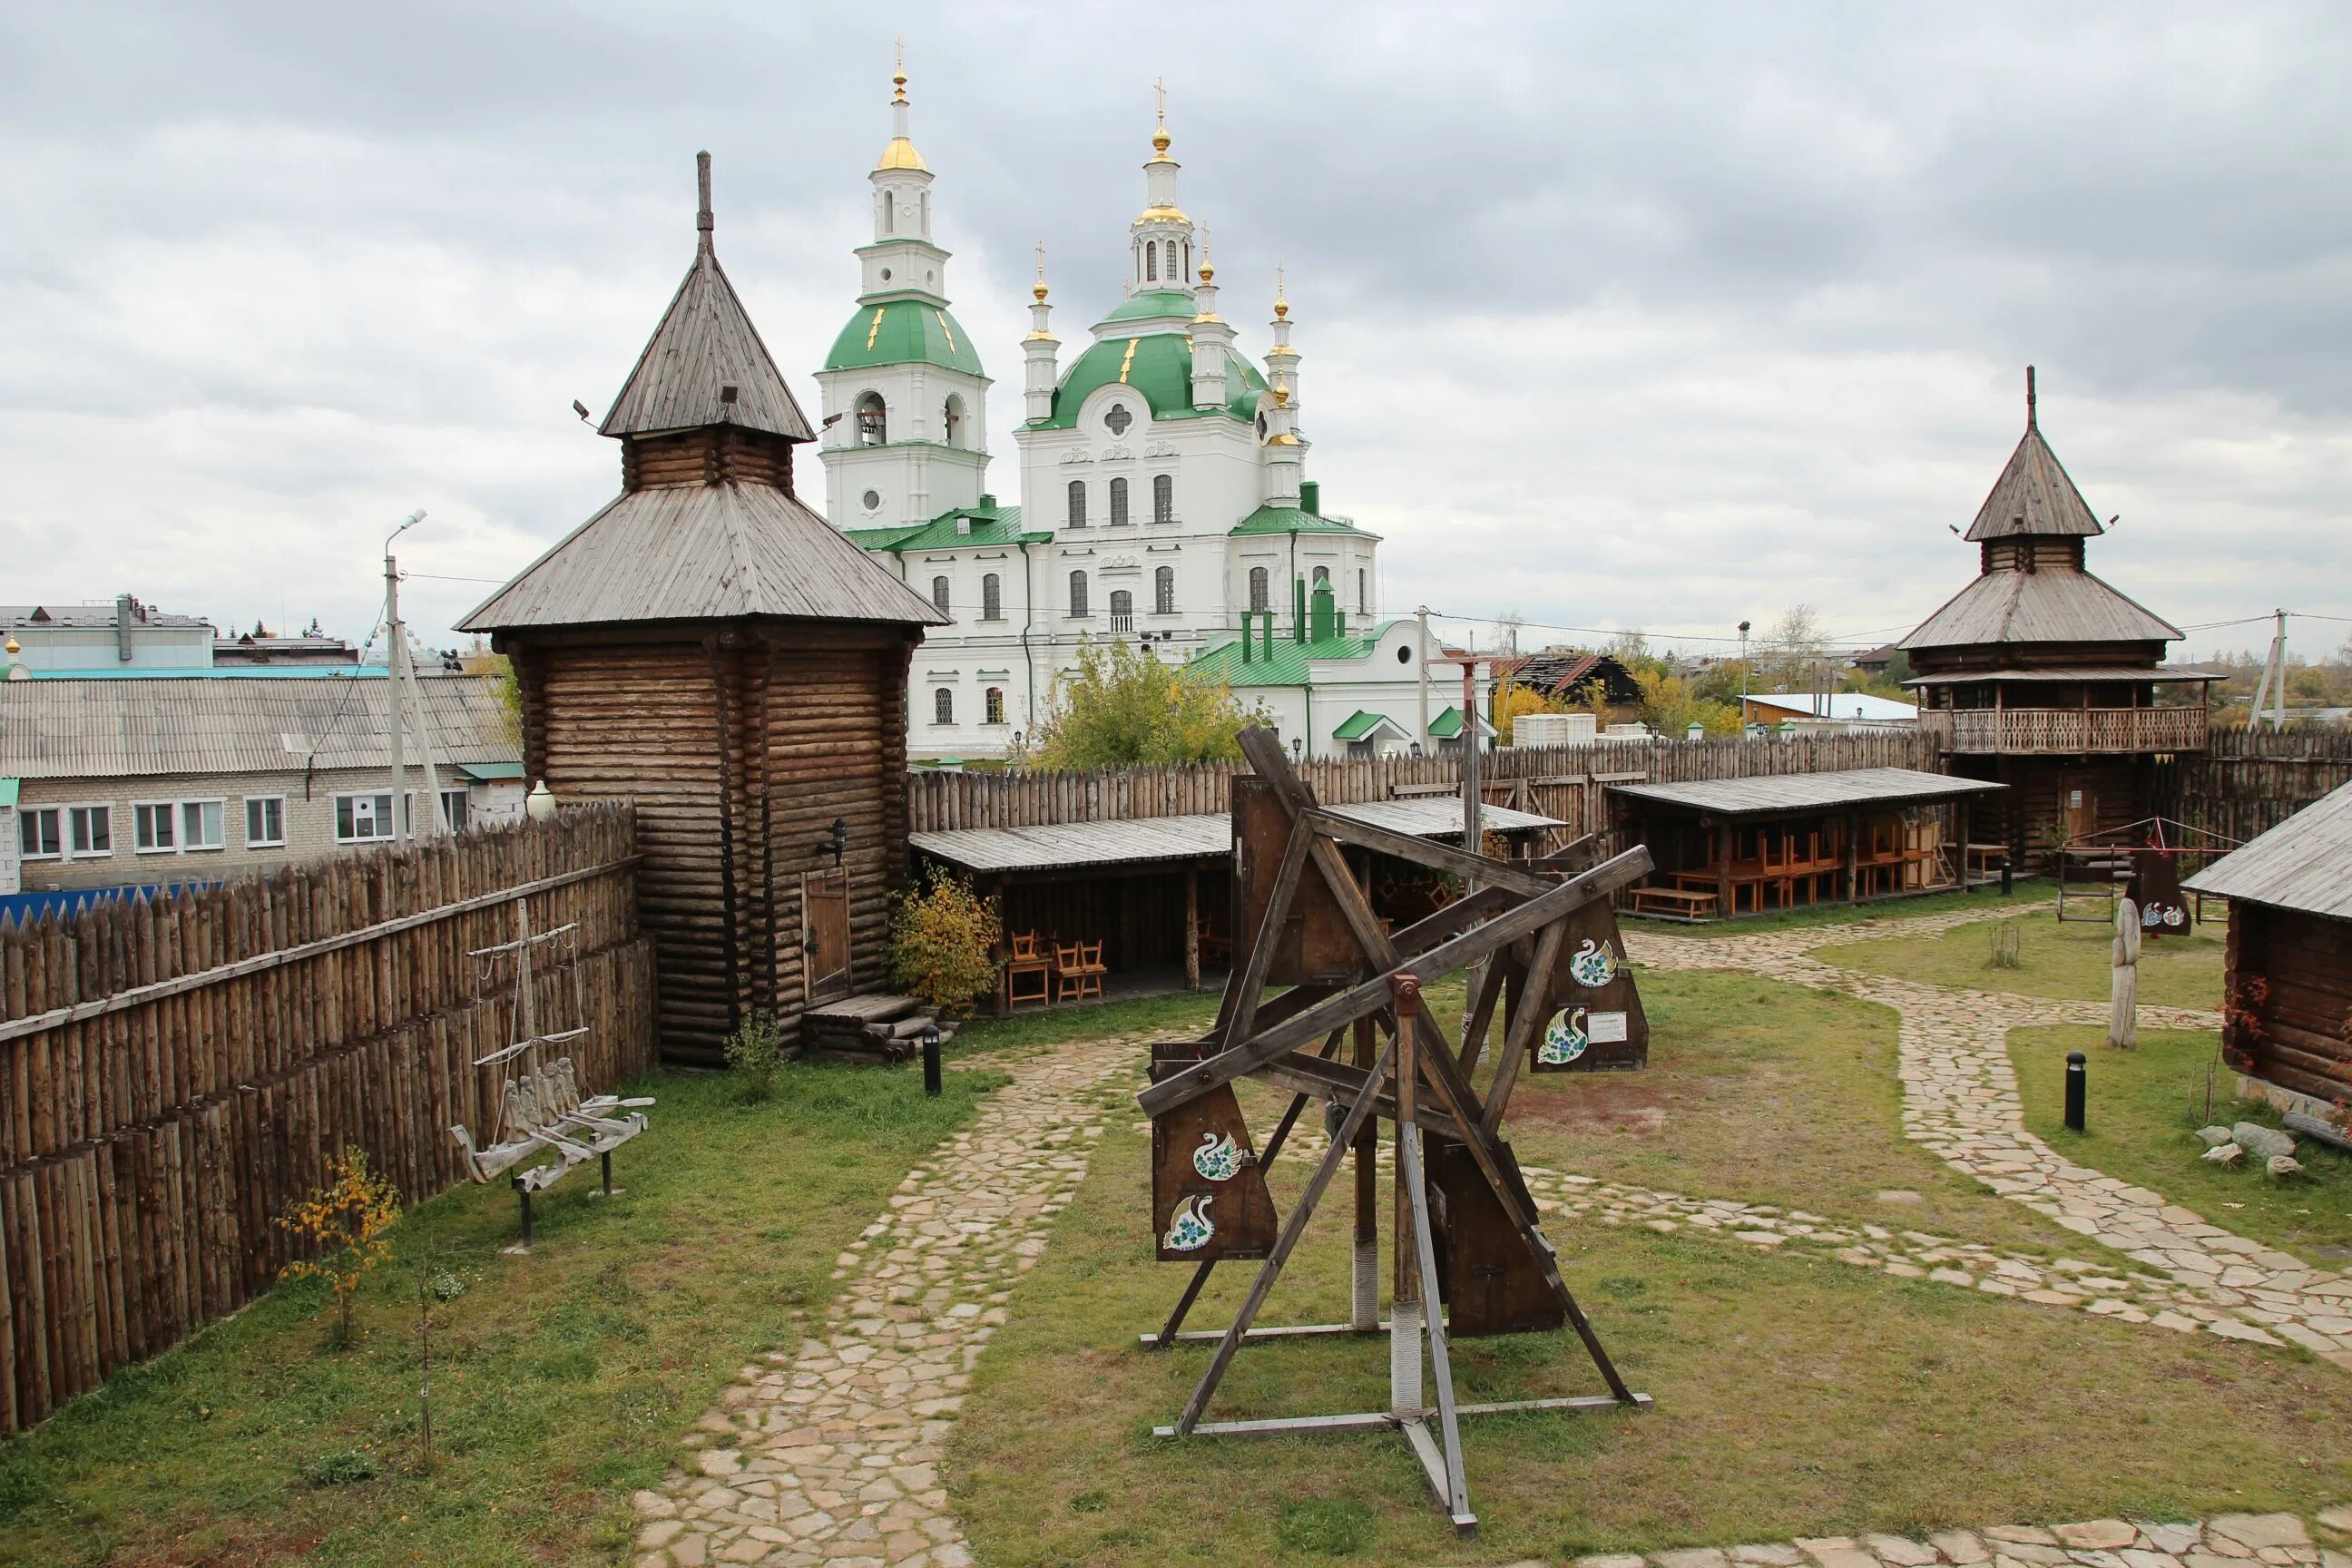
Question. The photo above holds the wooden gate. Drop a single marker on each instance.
(824, 926)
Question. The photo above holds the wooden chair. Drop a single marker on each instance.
(1214, 948)
(1028, 963)
(1078, 972)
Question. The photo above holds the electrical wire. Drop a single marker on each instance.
(440, 577)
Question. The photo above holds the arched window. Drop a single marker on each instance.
(1363, 607)
(1078, 503)
(923, 212)
(1163, 497)
(1260, 427)
(994, 706)
(944, 706)
(1257, 589)
(1078, 593)
(889, 212)
(940, 595)
(873, 421)
(951, 419)
(1163, 591)
(1122, 610)
(1150, 262)
(1173, 276)
(1118, 501)
(992, 598)
(1322, 577)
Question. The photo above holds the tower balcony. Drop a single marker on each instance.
(2065, 731)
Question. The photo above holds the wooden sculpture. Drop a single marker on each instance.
(1470, 1257)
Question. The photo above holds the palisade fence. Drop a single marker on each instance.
(1569, 783)
(173, 1073)
(2247, 781)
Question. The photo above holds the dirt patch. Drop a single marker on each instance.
(1639, 1104)
(262, 1547)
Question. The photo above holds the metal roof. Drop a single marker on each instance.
(702, 552)
(1837, 704)
(1777, 793)
(2075, 672)
(126, 728)
(2304, 863)
(1208, 835)
(2054, 604)
(92, 617)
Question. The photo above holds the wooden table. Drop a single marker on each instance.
(1675, 903)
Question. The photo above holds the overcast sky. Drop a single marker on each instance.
(1641, 315)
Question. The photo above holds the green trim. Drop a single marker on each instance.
(907, 332)
(1447, 726)
(8, 788)
(1294, 520)
(1161, 371)
(1153, 304)
(1288, 662)
(1361, 723)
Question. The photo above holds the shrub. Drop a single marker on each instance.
(941, 943)
(344, 1221)
(753, 1053)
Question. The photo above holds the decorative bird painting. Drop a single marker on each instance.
(1216, 1159)
(1564, 1039)
(1190, 1229)
(1593, 965)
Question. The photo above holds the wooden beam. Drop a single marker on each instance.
(1425, 852)
(1534, 992)
(1237, 1017)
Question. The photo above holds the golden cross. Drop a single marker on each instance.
(1040, 261)
(1159, 92)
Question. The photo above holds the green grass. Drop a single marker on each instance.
(563, 1380)
(1831, 915)
(2141, 1111)
(2067, 960)
(1765, 1091)
(1178, 1013)
(1794, 1396)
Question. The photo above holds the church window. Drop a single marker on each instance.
(1257, 589)
(992, 598)
(1118, 501)
(1078, 503)
(1150, 262)
(951, 417)
(923, 212)
(1322, 577)
(889, 212)
(871, 500)
(940, 594)
(1122, 610)
(873, 421)
(1119, 419)
(1163, 590)
(1078, 593)
(944, 706)
(994, 706)
(1163, 497)
(1173, 276)
(1362, 608)
(1260, 427)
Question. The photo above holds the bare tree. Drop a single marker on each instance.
(1791, 650)
(1506, 629)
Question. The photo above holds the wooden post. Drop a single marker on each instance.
(1193, 926)
(1966, 812)
(1723, 872)
(1853, 850)
(1366, 1314)
(1409, 1310)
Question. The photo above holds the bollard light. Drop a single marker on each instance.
(931, 1060)
(2078, 1079)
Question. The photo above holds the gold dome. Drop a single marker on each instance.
(1159, 215)
(901, 155)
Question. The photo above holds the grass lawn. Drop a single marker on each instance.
(563, 1381)
(1794, 1397)
(1988, 900)
(1178, 1013)
(2067, 961)
(2140, 1119)
(1769, 1092)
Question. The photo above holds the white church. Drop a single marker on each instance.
(1164, 496)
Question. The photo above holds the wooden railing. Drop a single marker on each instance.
(2066, 731)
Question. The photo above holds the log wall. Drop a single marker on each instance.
(2247, 781)
(174, 1073)
(2289, 1018)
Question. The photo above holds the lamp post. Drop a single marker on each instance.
(836, 840)
(1743, 678)
(931, 1060)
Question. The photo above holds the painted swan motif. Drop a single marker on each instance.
(1190, 1230)
(1216, 1159)
(1594, 964)
(1564, 1040)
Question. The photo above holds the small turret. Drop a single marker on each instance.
(1211, 338)
(1161, 237)
(1039, 347)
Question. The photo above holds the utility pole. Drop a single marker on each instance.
(402, 682)
(1743, 678)
(1423, 615)
(2273, 684)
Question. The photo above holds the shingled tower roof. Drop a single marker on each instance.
(2033, 496)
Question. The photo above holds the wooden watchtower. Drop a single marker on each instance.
(2039, 675)
(711, 647)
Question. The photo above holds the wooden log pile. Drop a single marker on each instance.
(882, 1029)
(174, 1072)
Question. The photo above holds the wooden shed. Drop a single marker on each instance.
(2287, 1016)
(709, 646)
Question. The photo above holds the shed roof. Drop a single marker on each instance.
(2303, 864)
(1208, 835)
(1363, 722)
(2054, 604)
(114, 729)
(702, 552)
(1779, 793)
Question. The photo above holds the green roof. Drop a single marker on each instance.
(1447, 726)
(990, 525)
(882, 538)
(1160, 368)
(1363, 722)
(1292, 520)
(1153, 304)
(483, 773)
(1288, 663)
(904, 331)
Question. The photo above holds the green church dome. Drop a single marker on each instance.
(1158, 366)
(904, 331)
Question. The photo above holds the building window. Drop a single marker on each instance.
(1078, 503)
(454, 804)
(873, 421)
(1119, 419)
(1078, 593)
(1117, 503)
(1163, 591)
(992, 598)
(944, 706)
(200, 824)
(1322, 577)
(151, 828)
(1150, 262)
(89, 831)
(1122, 610)
(940, 595)
(994, 705)
(1257, 588)
(38, 833)
(265, 821)
(1163, 497)
(1363, 608)
(951, 417)
(361, 817)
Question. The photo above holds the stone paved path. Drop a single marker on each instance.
(2225, 1540)
(1960, 1099)
(830, 1454)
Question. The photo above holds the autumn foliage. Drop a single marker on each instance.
(942, 942)
(343, 1221)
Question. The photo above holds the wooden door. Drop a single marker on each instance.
(824, 933)
(2078, 805)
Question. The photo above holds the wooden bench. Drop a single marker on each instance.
(1674, 903)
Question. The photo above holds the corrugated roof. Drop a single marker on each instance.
(1294, 520)
(114, 729)
(219, 672)
(90, 617)
(1287, 663)
(702, 552)
(1205, 837)
(2077, 672)
(2304, 864)
(706, 344)
(1436, 816)
(2054, 604)
(1776, 793)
